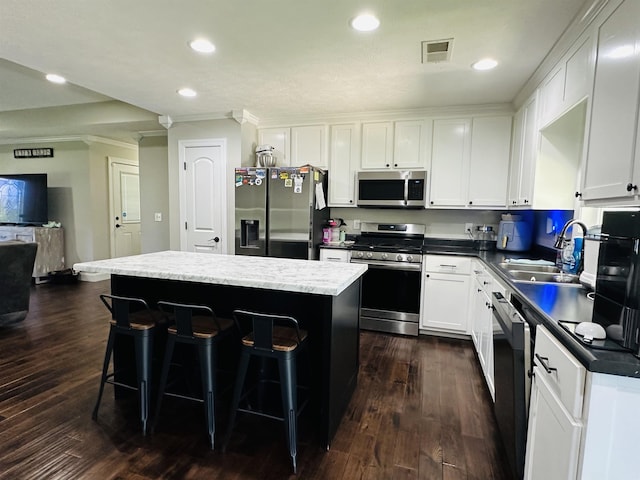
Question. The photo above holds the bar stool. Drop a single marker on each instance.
(199, 326)
(278, 337)
(134, 318)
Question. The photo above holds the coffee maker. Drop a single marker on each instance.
(617, 298)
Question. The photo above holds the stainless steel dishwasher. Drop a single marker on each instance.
(512, 369)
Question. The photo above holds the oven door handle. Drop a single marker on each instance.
(390, 265)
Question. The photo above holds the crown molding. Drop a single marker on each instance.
(87, 139)
(408, 114)
(243, 116)
(152, 133)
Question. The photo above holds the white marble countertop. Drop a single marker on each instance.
(304, 276)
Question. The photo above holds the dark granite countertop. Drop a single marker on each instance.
(549, 303)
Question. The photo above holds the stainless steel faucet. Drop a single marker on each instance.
(561, 238)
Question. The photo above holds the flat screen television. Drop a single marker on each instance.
(23, 199)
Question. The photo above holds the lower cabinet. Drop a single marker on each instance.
(481, 319)
(555, 411)
(334, 255)
(445, 293)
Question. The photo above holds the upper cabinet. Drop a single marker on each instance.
(524, 153)
(388, 145)
(470, 162)
(297, 146)
(344, 160)
(569, 82)
(612, 168)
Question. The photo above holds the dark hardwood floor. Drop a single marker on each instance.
(420, 411)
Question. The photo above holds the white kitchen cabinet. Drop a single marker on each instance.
(399, 145)
(280, 140)
(377, 145)
(450, 158)
(298, 145)
(526, 141)
(50, 254)
(489, 167)
(612, 169)
(470, 162)
(445, 293)
(555, 426)
(569, 82)
(344, 160)
(335, 255)
(309, 146)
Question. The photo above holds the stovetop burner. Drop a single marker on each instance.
(385, 237)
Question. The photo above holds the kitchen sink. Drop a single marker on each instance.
(529, 268)
(544, 277)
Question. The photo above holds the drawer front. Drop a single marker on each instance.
(564, 374)
(334, 255)
(447, 264)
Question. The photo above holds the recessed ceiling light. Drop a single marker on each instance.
(484, 64)
(187, 92)
(202, 45)
(52, 77)
(365, 22)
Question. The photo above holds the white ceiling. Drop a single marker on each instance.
(273, 58)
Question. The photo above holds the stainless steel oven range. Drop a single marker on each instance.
(391, 285)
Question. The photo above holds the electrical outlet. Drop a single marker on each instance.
(468, 227)
(356, 224)
(157, 217)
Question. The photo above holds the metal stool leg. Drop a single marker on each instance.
(166, 364)
(144, 349)
(237, 392)
(208, 374)
(288, 387)
(105, 369)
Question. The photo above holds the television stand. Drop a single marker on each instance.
(50, 255)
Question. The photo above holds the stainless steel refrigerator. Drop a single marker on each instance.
(280, 211)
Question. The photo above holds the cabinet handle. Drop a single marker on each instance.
(486, 283)
(395, 164)
(631, 186)
(479, 290)
(578, 195)
(350, 201)
(513, 202)
(431, 202)
(470, 202)
(526, 201)
(387, 164)
(544, 361)
(427, 275)
(448, 265)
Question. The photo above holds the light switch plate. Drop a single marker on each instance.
(158, 217)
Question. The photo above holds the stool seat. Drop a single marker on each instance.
(285, 339)
(203, 327)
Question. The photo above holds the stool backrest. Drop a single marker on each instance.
(182, 314)
(121, 308)
(263, 325)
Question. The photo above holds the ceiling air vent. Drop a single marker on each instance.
(436, 51)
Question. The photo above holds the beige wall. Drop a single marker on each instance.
(78, 191)
(154, 183)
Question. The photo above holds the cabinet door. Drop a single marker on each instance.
(410, 144)
(279, 139)
(377, 145)
(343, 162)
(552, 95)
(579, 73)
(528, 144)
(450, 162)
(489, 169)
(614, 109)
(553, 437)
(445, 302)
(308, 146)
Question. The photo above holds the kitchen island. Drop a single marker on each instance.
(323, 297)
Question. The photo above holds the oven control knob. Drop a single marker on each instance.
(360, 254)
(384, 256)
(369, 254)
(399, 258)
(409, 258)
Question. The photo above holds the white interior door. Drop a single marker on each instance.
(204, 205)
(124, 189)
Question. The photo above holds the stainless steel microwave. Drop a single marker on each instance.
(394, 188)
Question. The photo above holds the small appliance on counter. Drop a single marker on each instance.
(514, 234)
(617, 297)
(591, 245)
